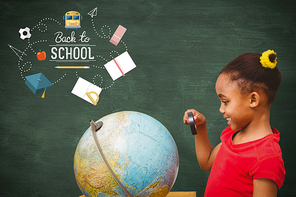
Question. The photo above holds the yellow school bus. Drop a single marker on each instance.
(72, 20)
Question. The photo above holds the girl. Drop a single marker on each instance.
(248, 161)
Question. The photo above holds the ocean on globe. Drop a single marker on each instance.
(139, 150)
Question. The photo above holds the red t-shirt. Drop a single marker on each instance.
(236, 165)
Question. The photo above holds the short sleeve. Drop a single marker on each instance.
(270, 168)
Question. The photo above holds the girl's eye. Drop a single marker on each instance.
(225, 102)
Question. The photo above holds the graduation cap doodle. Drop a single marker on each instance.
(38, 83)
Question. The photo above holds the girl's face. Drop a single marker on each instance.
(234, 106)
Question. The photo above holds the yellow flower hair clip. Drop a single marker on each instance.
(268, 59)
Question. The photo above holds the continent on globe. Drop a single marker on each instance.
(139, 151)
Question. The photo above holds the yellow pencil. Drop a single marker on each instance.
(72, 67)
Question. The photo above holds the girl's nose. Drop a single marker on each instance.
(222, 109)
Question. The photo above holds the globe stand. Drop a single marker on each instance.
(96, 127)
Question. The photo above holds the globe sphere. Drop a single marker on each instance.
(129, 154)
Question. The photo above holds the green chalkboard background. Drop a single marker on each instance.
(179, 48)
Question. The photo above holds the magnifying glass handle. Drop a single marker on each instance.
(192, 123)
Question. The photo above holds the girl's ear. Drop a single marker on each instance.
(254, 99)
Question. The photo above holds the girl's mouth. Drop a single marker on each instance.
(229, 120)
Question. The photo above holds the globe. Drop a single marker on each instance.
(127, 154)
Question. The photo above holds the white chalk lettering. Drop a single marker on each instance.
(70, 53)
(60, 38)
(54, 54)
(83, 37)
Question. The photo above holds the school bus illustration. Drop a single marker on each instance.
(72, 20)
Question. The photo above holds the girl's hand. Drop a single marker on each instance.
(198, 117)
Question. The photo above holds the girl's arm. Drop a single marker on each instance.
(205, 153)
(264, 188)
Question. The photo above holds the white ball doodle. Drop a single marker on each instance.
(25, 33)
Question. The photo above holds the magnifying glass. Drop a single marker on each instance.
(192, 123)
